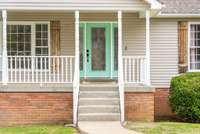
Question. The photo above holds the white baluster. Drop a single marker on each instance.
(11, 68)
(28, 68)
(54, 70)
(41, 69)
(24, 69)
(15, 69)
(37, 67)
(45, 69)
(66, 71)
(50, 68)
(62, 68)
(71, 71)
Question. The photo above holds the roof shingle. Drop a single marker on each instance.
(181, 6)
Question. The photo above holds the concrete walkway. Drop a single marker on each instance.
(103, 128)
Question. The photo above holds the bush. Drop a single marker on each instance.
(185, 96)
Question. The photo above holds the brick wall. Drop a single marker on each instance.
(162, 107)
(35, 108)
(139, 106)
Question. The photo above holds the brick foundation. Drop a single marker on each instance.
(35, 108)
(162, 107)
(139, 106)
(56, 108)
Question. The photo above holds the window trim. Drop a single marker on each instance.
(189, 30)
(33, 32)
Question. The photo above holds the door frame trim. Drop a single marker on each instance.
(112, 26)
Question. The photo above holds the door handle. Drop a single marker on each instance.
(87, 54)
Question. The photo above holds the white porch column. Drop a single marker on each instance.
(148, 82)
(76, 81)
(120, 66)
(4, 51)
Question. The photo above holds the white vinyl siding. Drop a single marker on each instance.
(164, 51)
(134, 40)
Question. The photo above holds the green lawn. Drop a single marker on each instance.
(38, 130)
(165, 128)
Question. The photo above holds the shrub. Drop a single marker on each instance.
(185, 96)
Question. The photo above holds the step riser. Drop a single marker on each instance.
(98, 110)
(98, 102)
(98, 95)
(98, 89)
(99, 118)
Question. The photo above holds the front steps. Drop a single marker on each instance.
(99, 102)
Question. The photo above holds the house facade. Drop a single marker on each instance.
(66, 61)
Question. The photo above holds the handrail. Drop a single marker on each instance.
(135, 57)
(40, 56)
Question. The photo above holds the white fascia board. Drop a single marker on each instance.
(153, 13)
(155, 5)
(69, 7)
(175, 15)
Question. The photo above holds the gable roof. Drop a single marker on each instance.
(180, 6)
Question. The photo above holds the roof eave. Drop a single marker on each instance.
(177, 15)
(155, 5)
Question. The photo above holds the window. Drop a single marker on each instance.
(194, 47)
(19, 40)
(27, 39)
(42, 48)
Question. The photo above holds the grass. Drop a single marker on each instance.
(165, 128)
(38, 130)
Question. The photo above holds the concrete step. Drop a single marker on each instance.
(98, 88)
(99, 117)
(99, 109)
(98, 82)
(98, 94)
(98, 101)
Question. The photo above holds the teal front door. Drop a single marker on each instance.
(96, 50)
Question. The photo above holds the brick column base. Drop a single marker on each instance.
(162, 107)
(139, 106)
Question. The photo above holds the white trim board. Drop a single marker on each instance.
(190, 23)
(176, 15)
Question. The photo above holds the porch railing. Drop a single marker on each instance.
(40, 69)
(134, 69)
(59, 69)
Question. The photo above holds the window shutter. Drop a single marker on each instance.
(183, 46)
(55, 43)
(55, 38)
